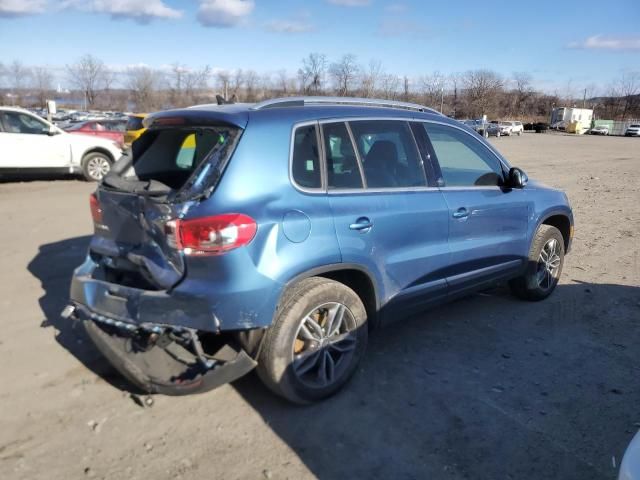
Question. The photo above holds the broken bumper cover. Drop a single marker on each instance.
(168, 368)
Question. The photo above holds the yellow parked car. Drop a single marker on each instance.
(134, 128)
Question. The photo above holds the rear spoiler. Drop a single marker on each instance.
(201, 116)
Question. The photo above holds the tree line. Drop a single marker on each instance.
(468, 94)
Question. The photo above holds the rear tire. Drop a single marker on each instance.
(95, 165)
(544, 267)
(316, 342)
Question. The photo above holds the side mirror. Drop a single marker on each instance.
(52, 130)
(517, 178)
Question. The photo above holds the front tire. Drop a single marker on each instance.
(316, 342)
(95, 166)
(546, 258)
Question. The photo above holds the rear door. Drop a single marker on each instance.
(387, 216)
(487, 222)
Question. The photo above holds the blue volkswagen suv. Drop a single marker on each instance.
(276, 235)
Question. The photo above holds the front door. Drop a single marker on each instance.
(487, 222)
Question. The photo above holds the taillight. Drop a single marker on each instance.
(96, 211)
(211, 235)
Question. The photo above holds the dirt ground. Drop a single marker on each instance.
(486, 388)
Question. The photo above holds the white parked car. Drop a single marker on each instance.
(516, 127)
(30, 144)
(633, 131)
(599, 130)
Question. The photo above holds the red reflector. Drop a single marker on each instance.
(211, 235)
(96, 211)
(169, 121)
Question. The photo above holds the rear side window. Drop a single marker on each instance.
(389, 155)
(464, 161)
(305, 162)
(342, 163)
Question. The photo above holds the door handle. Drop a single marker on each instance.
(461, 213)
(363, 224)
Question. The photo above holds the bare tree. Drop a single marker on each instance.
(481, 89)
(42, 80)
(282, 82)
(569, 94)
(405, 88)
(344, 74)
(89, 75)
(370, 79)
(19, 76)
(313, 72)
(250, 84)
(629, 89)
(455, 79)
(432, 89)
(176, 84)
(195, 82)
(223, 78)
(142, 84)
(523, 90)
(389, 85)
(237, 82)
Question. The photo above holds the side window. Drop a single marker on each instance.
(16, 122)
(342, 163)
(305, 162)
(389, 155)
(464, 161)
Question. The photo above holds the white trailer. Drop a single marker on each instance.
(572, 114)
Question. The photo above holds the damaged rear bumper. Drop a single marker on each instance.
(151, 359)
(200, 303)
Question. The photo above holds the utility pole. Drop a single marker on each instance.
(441, 99)
(584, 99)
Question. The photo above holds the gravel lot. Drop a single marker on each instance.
(486, 388)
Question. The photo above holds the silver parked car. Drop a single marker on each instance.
(599, 130)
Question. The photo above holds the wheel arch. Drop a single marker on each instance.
(563, 223)
(354, 276)
(102, 150)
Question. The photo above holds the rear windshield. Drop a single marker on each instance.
(134, 123)
(181, 158)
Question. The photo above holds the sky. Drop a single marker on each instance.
(562, 44)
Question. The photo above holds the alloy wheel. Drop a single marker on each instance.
(98, 167)
(548, 264)
(324, 345)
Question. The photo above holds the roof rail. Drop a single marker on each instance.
(353, 101)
